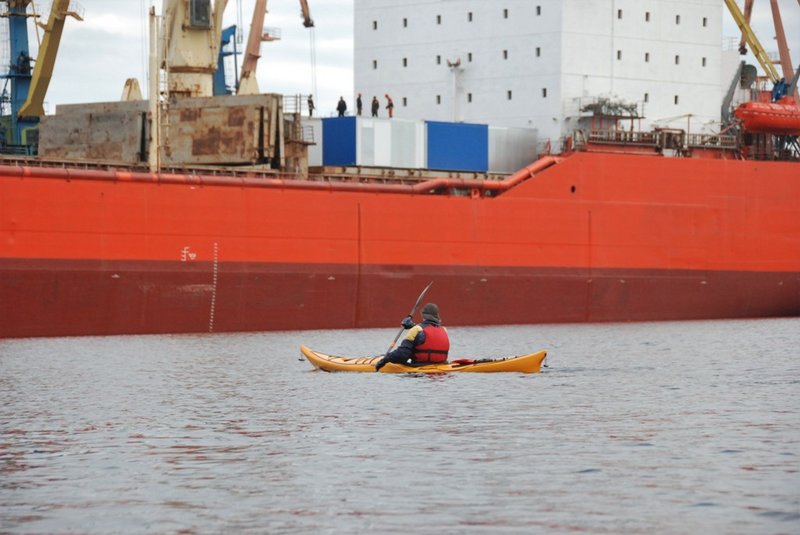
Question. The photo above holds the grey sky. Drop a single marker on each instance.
(97, 55)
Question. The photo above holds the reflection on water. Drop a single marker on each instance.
(636, 428)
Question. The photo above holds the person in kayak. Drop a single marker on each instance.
(425, 343)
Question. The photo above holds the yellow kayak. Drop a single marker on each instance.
(522, 364)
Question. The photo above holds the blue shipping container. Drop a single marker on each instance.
(457, 146)
(339, 146)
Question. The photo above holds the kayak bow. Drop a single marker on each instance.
(531, 363)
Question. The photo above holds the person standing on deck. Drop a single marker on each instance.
(375, 106)
(358, 105)
(310, 105)
(425, 343)
(341, 107)
(389, 105)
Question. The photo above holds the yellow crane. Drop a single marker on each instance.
(752, 40)
(780, 36)
(46, 59)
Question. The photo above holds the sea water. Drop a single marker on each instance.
(685, 427)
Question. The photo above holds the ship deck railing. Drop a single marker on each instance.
(331, 174)
(711, 141)
(658, 138)
(623, 137)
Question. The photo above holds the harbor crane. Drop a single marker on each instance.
(780, 36)
(772, 128)
(258, 34)
(29, 86)
(190, 57)
(742, 19)
(46, 59)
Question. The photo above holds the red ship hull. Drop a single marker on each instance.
(597, 237)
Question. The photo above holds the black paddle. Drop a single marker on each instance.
(413, 310)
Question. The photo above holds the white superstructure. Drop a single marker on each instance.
(537, 63)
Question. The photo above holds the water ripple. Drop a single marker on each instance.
(634, 428)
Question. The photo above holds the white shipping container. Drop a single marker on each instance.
(314, 151)
(511, 149)
(394, 143)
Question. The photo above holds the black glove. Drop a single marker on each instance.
(408, 322)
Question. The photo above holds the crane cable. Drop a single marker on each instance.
(313, 47)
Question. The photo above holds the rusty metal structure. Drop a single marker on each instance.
(230, 130)
(183, 125)
(190, 41)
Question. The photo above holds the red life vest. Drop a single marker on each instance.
(435, 347)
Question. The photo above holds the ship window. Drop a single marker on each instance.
(538, 51)
(405, 62)
(647, 16)
(508, 94)
(677, 60)
(505, 54)
(676, 99)
(405, 23)
(469, 97)
(438, 19)
(374, 24)
(619, 13)
(538, 10)
(647, 57)
(544, 92)
(704, 62)
(505, 13)
(619, 54)
(438, 60)
(705, 22)
(647, 97)
(677, 19)
(374, 63)
(469, 56)
(405, 102)
(469, 16)
(438, 99)
(200, 13)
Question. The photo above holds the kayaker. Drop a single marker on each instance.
(425, 343)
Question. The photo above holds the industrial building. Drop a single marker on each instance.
(543, 64)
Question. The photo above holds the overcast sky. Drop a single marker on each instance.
(97, 55)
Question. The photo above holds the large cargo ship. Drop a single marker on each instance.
(584, 237)
(621, 226)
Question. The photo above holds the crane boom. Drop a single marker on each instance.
(780, 36)
(308, 22)
(247, 82)
(752, 40)
(46, 59)
(748, 10)
(253, 50)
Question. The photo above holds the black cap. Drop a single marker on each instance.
(431, 312)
